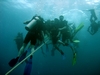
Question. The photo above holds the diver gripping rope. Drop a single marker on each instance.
(25, 58)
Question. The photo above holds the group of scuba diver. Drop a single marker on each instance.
(58, 31)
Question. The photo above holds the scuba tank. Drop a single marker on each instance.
(30, 26)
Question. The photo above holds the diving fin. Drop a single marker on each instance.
(76, 41)
(81, 25)
(74, 59)
(13, 62)
(28, 67)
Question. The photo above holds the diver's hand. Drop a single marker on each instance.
(26, 22)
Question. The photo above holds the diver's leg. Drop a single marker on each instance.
(32, 48)
(91, 18)
(33, 44)
(55, 45)
(90, 30)
(72, 48)
(26, 40)
(93, 15)
(21, 51)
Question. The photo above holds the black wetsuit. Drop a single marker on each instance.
(35, 34)
(93, 28)
(66, 34)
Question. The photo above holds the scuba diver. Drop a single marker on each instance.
(35, 32)
(65, 30)
(93, 28)
(19, 40)
(55, 35)
(68, 34)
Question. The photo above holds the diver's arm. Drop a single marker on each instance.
(59, 41)
(26, 22)
(71, 24)
(62, 28)
(59, 33)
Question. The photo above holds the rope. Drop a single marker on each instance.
(25, 59)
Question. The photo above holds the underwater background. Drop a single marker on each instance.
(14, 12)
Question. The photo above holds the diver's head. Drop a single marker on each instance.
(66, 22)
(56, 20)
(61, 17)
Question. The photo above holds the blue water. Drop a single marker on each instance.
(14, 12)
